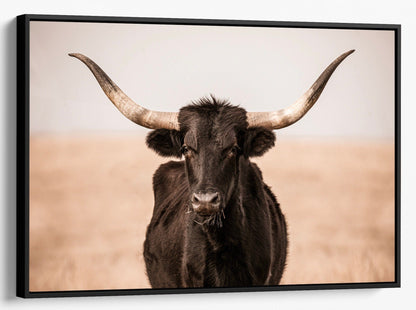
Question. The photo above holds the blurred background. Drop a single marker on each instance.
(90, 171)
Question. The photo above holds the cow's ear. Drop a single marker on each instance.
(165, 142)
(258, 140)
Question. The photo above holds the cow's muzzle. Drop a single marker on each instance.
(206, 202)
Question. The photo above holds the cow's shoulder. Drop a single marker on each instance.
(168, 174)
(256, 170)
(270, 196)
(169, 184)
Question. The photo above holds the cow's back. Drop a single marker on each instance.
(163, 248)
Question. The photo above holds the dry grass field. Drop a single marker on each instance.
(91, 200)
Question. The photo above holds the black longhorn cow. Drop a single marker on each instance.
(215, 222)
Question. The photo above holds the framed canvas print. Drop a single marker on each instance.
(190, 156)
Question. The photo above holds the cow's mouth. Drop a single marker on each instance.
(212, 219)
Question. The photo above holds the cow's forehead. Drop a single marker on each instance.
(211, 123)
(204, 132)
(209, 113)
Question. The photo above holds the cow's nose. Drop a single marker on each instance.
(206, 202)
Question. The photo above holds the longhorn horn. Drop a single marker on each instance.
(286, 117)
(130, 109)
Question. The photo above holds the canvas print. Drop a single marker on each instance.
(167, 156)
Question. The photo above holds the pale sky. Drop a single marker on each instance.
(164, 67)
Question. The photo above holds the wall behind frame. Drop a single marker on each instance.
(399, 12)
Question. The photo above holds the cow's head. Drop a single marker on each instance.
(211, 135)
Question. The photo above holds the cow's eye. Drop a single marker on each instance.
(184, 149)
(233, 151)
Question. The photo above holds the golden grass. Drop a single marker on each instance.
(91, 200)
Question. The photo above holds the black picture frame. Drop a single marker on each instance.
(23, 137)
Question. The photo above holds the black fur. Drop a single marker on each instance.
(165, 142)
(258, 141)
(245, 243)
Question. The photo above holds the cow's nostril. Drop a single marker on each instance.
(215, 198)
(195, 198)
